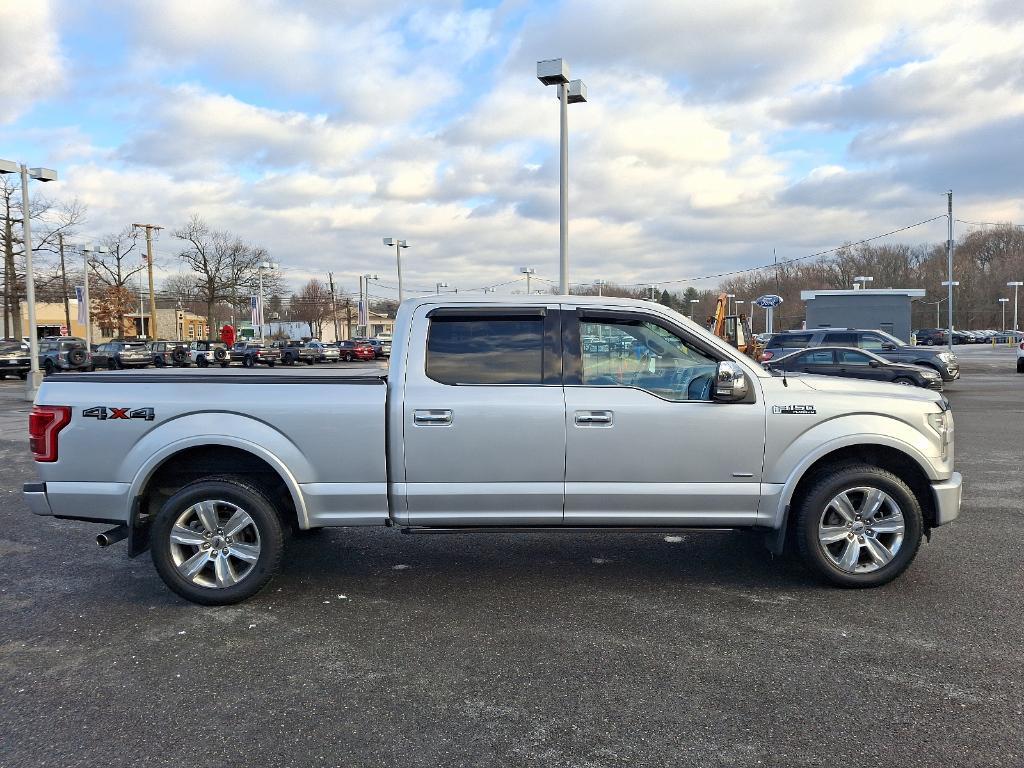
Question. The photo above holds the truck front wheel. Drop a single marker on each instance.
(858, 526)
(217, 541)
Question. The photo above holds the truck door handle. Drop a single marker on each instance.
(593, 417)
(439, 417)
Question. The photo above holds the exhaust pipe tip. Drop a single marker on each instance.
(112, 536)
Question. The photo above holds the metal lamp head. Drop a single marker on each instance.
(577, 91)
(9, 166)
(403, 244)
(553, 71)
(389, 241)
(43, 174)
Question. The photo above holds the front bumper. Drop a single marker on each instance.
(947, 494)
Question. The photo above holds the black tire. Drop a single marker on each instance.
(271, 363)
(23, 375)
(310, 361)
(249, 362)
(179, 356)
(159, 362)
(813, 505)
(905, 381)
(2, 376)
(111, 365)
(246, 496)
(76, 358)
(1020, 365)
(48, 368)
(202, 362)
(220, 354)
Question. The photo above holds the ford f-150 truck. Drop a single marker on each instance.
(494, 416)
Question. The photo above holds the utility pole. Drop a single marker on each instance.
(149, 265)
(64, 283)
(334, 306)
(949, 260)
(348, 318)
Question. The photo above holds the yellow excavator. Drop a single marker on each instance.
(734, 329)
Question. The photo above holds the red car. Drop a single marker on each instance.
(356, 350)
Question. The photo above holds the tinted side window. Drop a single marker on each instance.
(791, 341)
(841, 339)
(819, 357)
(849, 357)
(491, 350)
(872, 341)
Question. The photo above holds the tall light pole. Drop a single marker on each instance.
(364, 302)
(861, 281)
(692, 302)
(1003, 303)
(35, 376)
(949, 268)
(399, 245)
(556, 72)
(528, 271)
(87, 252)
(439, 286)
(1015, 284)
(600, 286)
(267, 266)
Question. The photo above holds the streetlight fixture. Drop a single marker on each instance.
(35, 376)
(556, 72)
(950, 285)
(600, 286)
(399, 245)
(859, 282)
(87, 252)
(527, 271)
(1015, 284)
(1003, 303)
(692, 302)
(439, 286)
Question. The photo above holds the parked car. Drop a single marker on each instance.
(879, 342)
(15, 359)
(931, 337)
(1009, 337)
(207, 471)
(327, 353)
(293, 352)
(167, 353)
(856, 364)
(377, 345)
(252, 353)
(385, 343)
(120, 354)
(64, 353)
(204, 353)
(350, 350)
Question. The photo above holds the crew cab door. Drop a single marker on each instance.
(483, 418)
(645, 444)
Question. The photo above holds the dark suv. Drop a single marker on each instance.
(879, 342)
(64, 353)
(169, 353)
(293, 352)
(253, 353)
(15, 358)
(118, 355)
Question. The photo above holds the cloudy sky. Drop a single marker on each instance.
(715, 131)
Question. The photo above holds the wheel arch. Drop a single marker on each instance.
(896, 459)
(186, 460)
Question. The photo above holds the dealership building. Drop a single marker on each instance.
(887, 309)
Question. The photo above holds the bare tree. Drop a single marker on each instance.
(312, 305)
(50, 223)
(112, 273)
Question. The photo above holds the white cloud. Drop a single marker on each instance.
(31, 67)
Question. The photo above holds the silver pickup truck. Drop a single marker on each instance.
(495, 415)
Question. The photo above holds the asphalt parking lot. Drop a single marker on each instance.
(378, 649)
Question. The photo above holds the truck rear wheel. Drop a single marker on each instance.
(217, 541)
(858, 526)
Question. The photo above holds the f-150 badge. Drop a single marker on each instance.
(793, 409)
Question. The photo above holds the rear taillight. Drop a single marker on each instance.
(1022, 345)
(767, 355)
(44, 423)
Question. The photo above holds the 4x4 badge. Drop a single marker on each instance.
(793, 409)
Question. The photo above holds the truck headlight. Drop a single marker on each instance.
(942, 424)
(946, 356)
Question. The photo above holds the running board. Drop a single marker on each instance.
(418, 530)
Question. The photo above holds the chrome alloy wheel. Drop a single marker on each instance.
(861, 530)
(215, 544)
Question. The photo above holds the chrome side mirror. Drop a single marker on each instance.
(731, 383)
